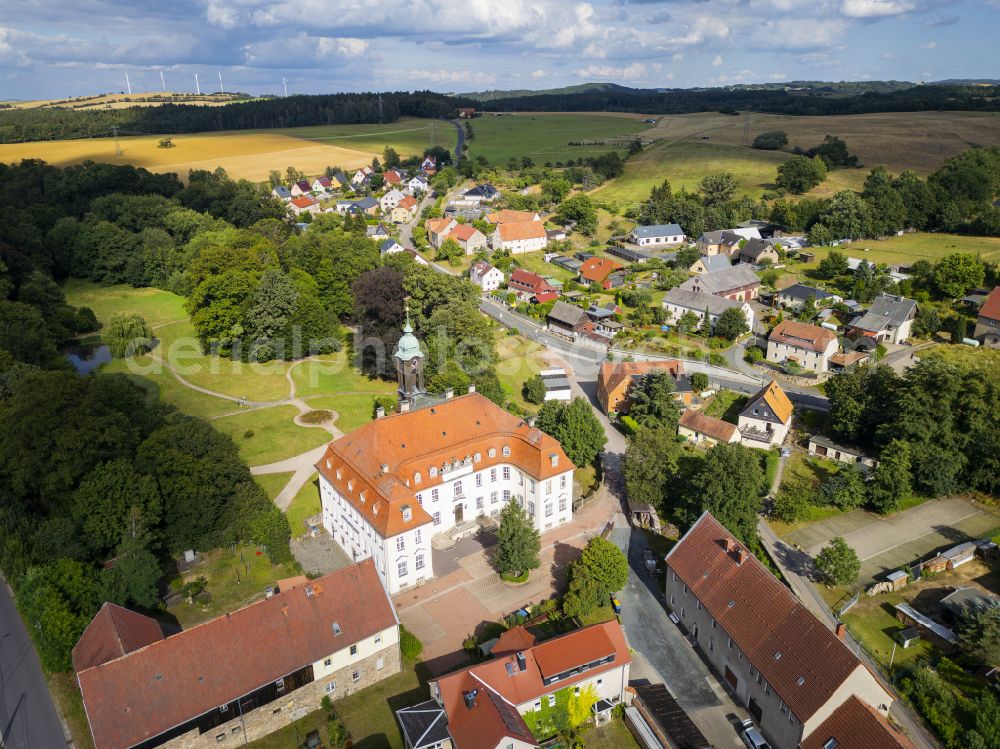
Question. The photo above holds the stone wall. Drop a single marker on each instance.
(278, 714)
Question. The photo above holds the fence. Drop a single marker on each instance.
(845, 604)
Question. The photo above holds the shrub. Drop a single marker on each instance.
(699, 382)
(716, 359)
(409, 645)
(248, 434)
(315, 417)
(753, 355)
(127, 335)
(533, 390)
(772, 140)
(630, 424)
(194, 588)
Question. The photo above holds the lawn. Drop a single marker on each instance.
(910, 248)
(519, 359)
(546, 137)
(236, 576)
(304, 505)
(370, 714)
(243, 154)
(293, 736)
(613, 735)
(726, 405)
(335, 374)
(156, 306)
(535, 262)
(273, 436)
(598, 616)
(353, 409)
(988, 358)
(69, 703)
(273, 483)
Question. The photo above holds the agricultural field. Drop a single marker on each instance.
(124, 101)
(546, 137)
(246, 154)
(910, 248)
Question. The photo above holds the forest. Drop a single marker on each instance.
(101, 484)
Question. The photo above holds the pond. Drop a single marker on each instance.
(87, 358)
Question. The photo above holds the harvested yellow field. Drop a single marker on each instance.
(122, 101)
(921, 141)
(243, 155)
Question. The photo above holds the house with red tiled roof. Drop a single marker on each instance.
(388, 487)
(438, 230)
(304, 204)
(702, 429)
(857, 725)
(484, 706)
(405, 210)
(519, 237)
(788, 669)
(527, 285)
(808, 346)
(469, 238)
(239, 676)
(614, 379)
(600, 270)
(987, 329)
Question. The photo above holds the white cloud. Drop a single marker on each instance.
(444, 75)
(633, 72)
(677, 56)
(538, 73)
(928, 45)
(875, 8)
(717, 61)
(801, 33)
(221, 16)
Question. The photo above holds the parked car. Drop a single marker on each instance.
(752, 737)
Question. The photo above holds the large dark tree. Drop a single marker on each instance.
(379, 316)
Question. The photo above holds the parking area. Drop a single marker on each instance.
(884, 544)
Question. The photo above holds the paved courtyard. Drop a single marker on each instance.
(884, 544)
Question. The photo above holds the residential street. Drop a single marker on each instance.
(28, 719)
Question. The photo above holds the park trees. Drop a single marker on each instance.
(729, 485)
(108, 500)
(650, 464)
(450, 251)
(533, 390)
(838, 562)
(800, 174)
(518, 544)
(732, 323)
(957, 273)
(58, 601)
(891, 481)
(601, 570)
(654, 401)
(379, 297)
(575, 427)
(579, 208)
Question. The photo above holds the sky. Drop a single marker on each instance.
(60, 48)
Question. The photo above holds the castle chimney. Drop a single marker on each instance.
(472, 388)
(404, 406)
(841, 630)
(379, 412)
(449, 393)
(739, 556)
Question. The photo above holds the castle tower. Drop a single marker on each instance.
(409, 366)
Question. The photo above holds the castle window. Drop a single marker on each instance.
(417, 478)
(433, 471)
(506, 451)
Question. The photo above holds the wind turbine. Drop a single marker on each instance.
(128, 84)
(163, 82)
(285, 84)
(197, 85)
(221, 89)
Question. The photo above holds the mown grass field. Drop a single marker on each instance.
(910, 248)
(247, 154)
(519, 359)
(273, 483)
(546, 137)
(304, 505)
(273, 434)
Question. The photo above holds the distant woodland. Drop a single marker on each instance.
(20, 125)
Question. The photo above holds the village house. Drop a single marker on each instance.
(340, 181)
(302, 187)
(240, 676)
(738, 282)
(304, 204)
(701, 429)
(679, 300)
(389, 247)
(392, 177)
(437, 230)
(367, 206)
(466, 113)
(568, 319)
(417, 184)
(856, 725)
(601, 271)
(322, 184)
(808, 346)
(791, 674)
(405, 210)
(390, 486)
(485, 276)
(709, 264)
(361, 176)
(508, 216)
(725, 241)
(527, 285)
(888, 320)
(281, 193)
(796, 295)
(429, 164)
(343, 207)
(469, 238)
(483, 706)
(766, 418)
(658, 235)
(484, 193)
(822, 447)
(615, 379)
(377, 231)
(519, 237)
(758, 252)
(390, 200)
(987, 329)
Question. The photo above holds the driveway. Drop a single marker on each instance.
(666, 652)
(883, 544)
(28, 719)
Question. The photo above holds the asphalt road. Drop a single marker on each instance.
(28, 719)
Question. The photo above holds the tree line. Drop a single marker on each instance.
(23, 125)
